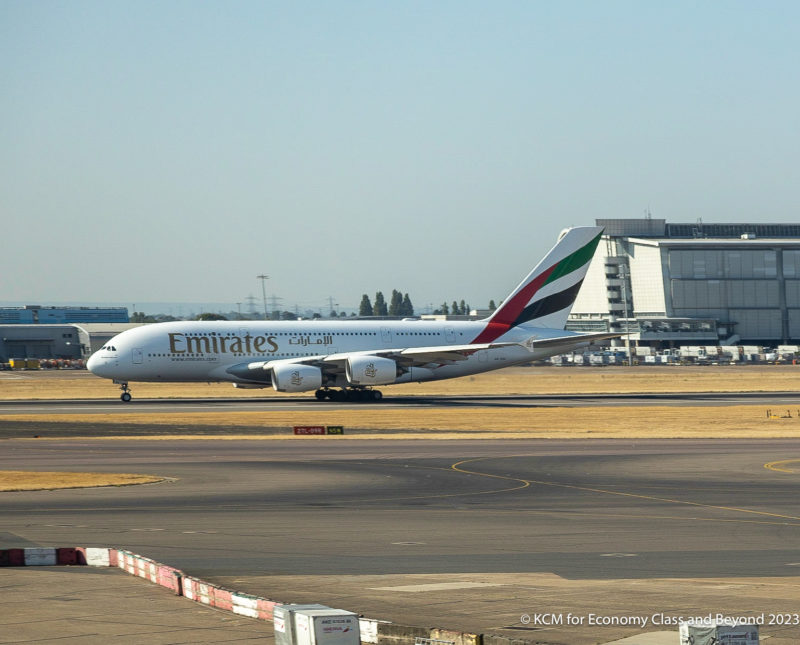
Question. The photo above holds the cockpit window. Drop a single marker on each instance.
(108, 348)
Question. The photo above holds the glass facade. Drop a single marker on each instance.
(701, 264)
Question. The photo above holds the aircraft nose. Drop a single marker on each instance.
(92, 363)
(95, 365)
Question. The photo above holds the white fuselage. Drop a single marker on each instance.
(206, 351)
(356, 355)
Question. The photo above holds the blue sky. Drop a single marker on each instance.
(171, 152)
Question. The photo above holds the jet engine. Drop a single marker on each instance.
(370, 370)
(294, 377)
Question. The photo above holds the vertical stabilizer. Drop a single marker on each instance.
(544, 298)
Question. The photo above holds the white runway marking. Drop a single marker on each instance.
(147, 530)
(441, 586)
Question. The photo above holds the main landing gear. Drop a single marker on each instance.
(351, 394)
(126, 394)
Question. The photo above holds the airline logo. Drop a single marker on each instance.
(180, 343)
(221, 344)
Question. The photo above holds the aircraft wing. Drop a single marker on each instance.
(419, 356)
(407, 357)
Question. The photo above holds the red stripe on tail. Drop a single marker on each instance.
(503, 319)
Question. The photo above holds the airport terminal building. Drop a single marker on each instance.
(39, 315)
(693, 284)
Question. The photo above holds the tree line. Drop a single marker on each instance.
(458, 308)
(399, 305)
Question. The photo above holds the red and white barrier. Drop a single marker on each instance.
(12, 558)
(197, 590)
(68, 556)
(245, 604)
(171, 578)
(265, 608)
(37, 557)
(98, 557)
(222, 598)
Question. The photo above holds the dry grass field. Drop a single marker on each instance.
(514, 380)
(500, 421)
(654, 422)
(18, 480)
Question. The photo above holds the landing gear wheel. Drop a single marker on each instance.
(126, 395)
(321, 395)
(377, 395)
(339, 395)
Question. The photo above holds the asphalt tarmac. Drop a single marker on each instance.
(308, 403)
(301, 518)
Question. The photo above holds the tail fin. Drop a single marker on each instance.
(545, 297)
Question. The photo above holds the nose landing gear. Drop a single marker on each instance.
(126, 395)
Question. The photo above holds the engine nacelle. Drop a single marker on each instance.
(370, 370)
(293, 377)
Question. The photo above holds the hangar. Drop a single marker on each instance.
(72, 342)
(692, 284)
(73, 333)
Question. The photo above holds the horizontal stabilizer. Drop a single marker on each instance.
(534, 343)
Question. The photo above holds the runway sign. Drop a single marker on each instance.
(318, 430)
(309, 429)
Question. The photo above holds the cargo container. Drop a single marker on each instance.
(284, 621)
(327, 627)
(717, 633)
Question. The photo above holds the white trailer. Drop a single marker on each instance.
(717, 633)
(327, 627)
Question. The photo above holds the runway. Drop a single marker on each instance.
(306, 403)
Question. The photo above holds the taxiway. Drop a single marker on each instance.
(264, 517)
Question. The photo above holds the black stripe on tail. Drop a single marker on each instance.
(549, 305)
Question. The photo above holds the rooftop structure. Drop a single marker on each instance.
(673, 284)
(37, 315)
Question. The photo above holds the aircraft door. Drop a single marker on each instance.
(137, 356)
(386, 335)
(449, 334)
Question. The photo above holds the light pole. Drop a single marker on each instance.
(263, 277)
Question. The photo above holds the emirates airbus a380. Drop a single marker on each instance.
(345, 360)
